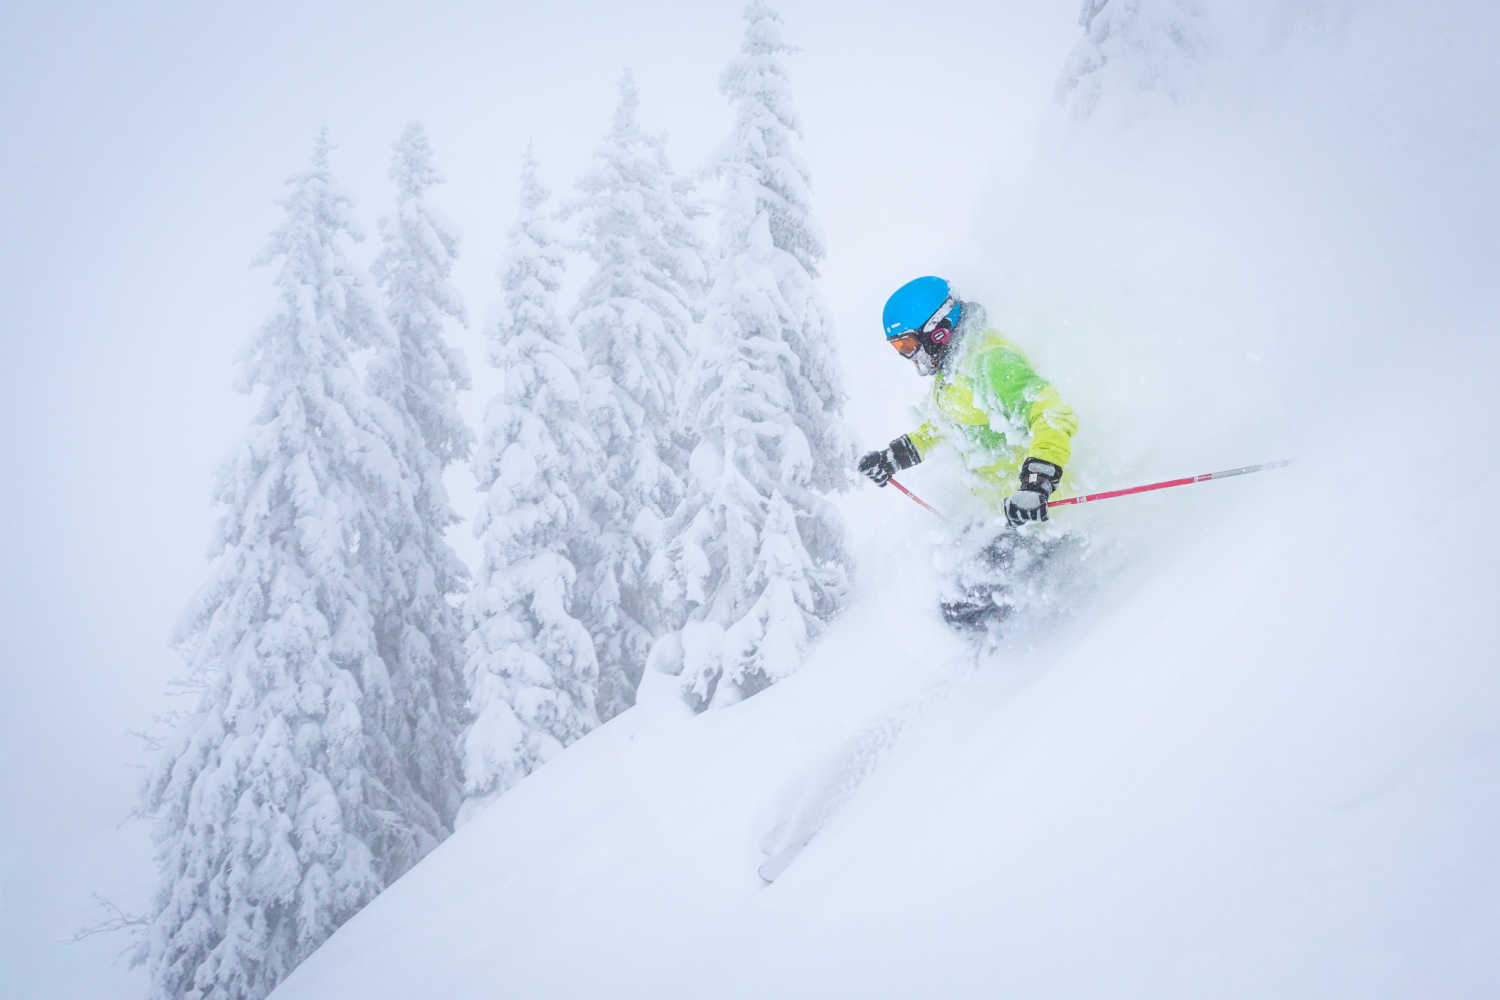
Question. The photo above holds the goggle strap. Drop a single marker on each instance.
(940, 315)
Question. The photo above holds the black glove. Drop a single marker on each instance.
(880, 466)
(1029, 503)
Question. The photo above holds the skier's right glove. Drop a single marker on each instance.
(880, 466)
(1038, 479)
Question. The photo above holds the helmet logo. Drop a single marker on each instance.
(940, 335)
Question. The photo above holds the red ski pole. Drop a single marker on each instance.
(1110, 494)
(918, 499)
(1167, 484)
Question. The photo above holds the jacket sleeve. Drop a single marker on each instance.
(1052, 424)
(924, 438)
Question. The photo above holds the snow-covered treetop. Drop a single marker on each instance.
(325, 308)
(1134, 50)
(411, 166)
(638, 225)
(765, 148)
(630, 103)
(633, 209)
(533, 273)
(415, 268)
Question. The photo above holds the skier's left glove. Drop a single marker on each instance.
(881, 465)
(1038, 480)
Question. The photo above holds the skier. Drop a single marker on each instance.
(1008, 423)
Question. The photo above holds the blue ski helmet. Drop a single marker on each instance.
(915, 303)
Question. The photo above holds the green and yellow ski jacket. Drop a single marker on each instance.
(993, 407)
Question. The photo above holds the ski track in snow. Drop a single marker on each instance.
(810, 801)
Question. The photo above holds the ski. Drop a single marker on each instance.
(770, 869)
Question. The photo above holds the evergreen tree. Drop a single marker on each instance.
(418, 629)
(636, 317)
(531, 667)
(758, 552)
(1133, 51)
(275, 818)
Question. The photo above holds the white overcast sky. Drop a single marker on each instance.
(145, 145)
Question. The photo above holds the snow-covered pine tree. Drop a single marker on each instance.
(636, 317)
(273, 819)
(1137, 48)
(530, 662)
(758, 553)
(416, 379)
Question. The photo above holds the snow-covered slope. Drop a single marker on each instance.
(1249, 769)
(1262, 756)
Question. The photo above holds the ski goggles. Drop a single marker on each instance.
(906, 345)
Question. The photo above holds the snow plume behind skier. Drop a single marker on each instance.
(1013, 434)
